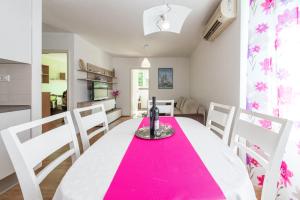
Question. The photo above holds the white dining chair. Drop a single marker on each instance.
(27, 156)
(219, 120)
(164, 106)
(272, 142)
(85, 123)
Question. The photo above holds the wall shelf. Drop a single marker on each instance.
(94, 72)
(57, 79)
(95, 80)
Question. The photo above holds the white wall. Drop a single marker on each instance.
(215, 68)
(26, 80)
(90, 54)
(36, 71)
(77, 48)
(18, 90)
(123, 68)
(62, 42)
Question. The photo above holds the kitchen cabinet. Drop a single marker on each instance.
(8, 119)
(45, 74)
(15, 34)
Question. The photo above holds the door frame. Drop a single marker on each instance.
(131, 82)
(69, 93)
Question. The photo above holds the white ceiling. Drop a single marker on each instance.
(116, 26)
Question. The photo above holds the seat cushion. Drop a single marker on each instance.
(177, 111)
(179, 102)
(190, 107)
(182, 103)
(201, 110)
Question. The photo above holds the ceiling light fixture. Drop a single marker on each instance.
(163, 23)
(165, 18)
(146, 63)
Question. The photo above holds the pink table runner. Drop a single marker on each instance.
(163, 169)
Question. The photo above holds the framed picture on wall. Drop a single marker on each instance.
(165, 78)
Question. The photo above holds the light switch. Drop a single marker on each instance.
(4, 78)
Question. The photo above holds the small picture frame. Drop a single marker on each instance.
(165, 78)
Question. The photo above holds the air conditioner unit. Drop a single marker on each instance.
(222, 17)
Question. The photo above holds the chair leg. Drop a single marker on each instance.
(258, 191)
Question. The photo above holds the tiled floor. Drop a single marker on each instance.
(49, 185)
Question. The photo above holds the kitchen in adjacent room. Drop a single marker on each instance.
(54, 83)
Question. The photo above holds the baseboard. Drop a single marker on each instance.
(8, 182)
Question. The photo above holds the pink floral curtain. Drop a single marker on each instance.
(273, 81)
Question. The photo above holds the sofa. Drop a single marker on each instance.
(189, 107)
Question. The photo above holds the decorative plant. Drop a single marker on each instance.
(115, 93)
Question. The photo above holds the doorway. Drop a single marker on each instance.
(139, 92)
(54, 83)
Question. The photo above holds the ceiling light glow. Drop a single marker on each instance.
(168, 17)
(146, 63)
(164, 23)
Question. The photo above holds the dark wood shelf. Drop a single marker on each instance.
(45, 74)
(104, 88)
(95, 80)
(57, 79)
(97, 73)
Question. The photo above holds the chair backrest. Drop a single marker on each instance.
(219, 119)
(164, 106)
(85, 123)
(247, 132)
(28, 155)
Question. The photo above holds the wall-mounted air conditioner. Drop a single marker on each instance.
(222, 17)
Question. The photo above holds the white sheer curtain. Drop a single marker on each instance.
(273, 81)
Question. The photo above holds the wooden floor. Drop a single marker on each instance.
(49, 185)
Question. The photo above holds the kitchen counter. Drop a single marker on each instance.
(11, 108)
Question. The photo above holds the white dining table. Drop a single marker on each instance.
(90, 176)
